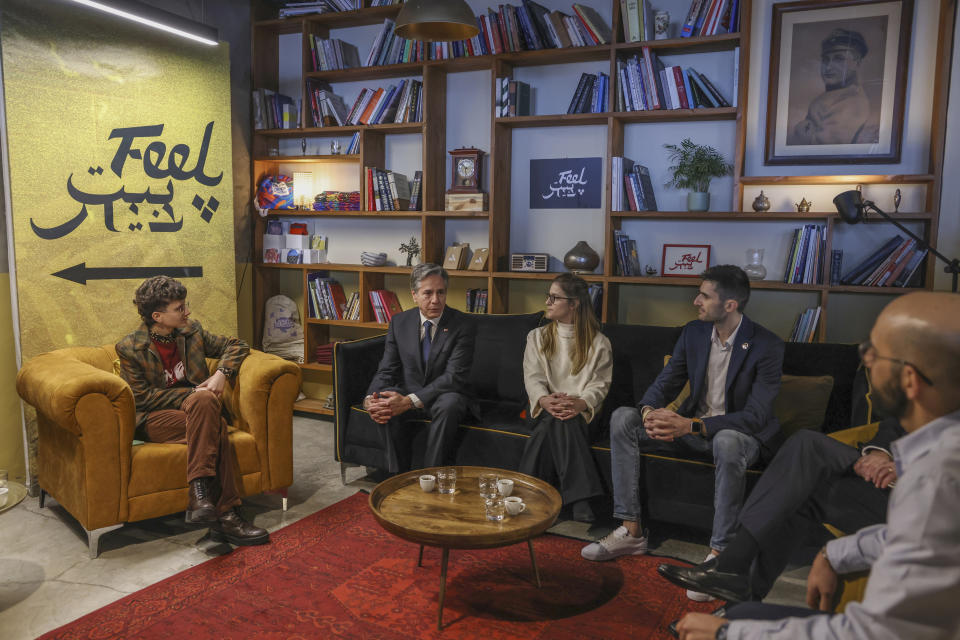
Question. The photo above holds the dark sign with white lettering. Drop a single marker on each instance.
(565, 183)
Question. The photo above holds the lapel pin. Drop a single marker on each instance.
(445, 329)
(745, 346)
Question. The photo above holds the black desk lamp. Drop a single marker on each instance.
(852, 208)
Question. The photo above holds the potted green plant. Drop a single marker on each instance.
(694, 166)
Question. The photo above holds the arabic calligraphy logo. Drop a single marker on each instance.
(567, 185)
(152, 157)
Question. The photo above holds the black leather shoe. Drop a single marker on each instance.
(201, 509)
(706, 579)
(232, 528)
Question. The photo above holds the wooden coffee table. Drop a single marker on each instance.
(458, 520)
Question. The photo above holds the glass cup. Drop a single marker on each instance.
(3, 478)
(447, 480)
(488, 485)
(494, 508)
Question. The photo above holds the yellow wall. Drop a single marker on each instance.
(11, 432)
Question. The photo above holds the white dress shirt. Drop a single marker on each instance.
(914, 559)
(433, 332)
(714, 401)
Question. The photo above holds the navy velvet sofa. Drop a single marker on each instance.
(677, 489)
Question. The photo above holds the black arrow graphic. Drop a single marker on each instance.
(81, 273)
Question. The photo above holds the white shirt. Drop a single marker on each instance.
(914, 559)
(433, 333)
(714, 401)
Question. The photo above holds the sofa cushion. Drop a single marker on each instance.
(802, 402)
(837, 360)
(497, 371)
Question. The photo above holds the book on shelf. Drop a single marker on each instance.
(354, 146)
(331, 54)
(595, 291)
(806, 256)
(476, 300)
(272, 110)
(711, 17)
(805, 327)
(644, 82)
(836, 264)
(387, 190)
(327, 109)
(634, 190)
(385, 305)
(590, 95)
(416, 188)
(326, 297)
(636, 18)
(895, 264)
(397, 103)
(861, 273)
(513, 98)
(598, 30)
(628, 261)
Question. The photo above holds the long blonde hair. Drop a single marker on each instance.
(585, 324)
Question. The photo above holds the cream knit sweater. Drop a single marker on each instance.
(543, 377)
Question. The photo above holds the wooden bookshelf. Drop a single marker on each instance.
(496, 278)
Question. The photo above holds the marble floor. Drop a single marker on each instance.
(47, 578)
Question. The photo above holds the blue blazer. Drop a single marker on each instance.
(753, 380)
(448, 368)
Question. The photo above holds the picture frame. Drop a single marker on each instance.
(684, 260)
(838, 78)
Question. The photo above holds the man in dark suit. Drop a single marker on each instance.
(813, 479)
(733, 366)
(424, 369)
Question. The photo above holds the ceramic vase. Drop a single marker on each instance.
(581, 259)
(697, 201)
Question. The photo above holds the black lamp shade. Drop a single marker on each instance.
(436, 21)
(849, 205)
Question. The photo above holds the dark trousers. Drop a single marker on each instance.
(559, 450)
(445, 414)
(198, 423)
(810, 481)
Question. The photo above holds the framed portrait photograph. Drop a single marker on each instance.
(685, 260)
(838, 76)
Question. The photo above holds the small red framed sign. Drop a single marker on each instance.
(685, 260)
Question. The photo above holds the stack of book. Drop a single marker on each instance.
(591, 94)
(337, 201)
(398, 103)
(806, 257)
(272, 110)
(805, 328)
(385, 305)
(513, 98)
(415, 190)
(293, 9)
(324, 353)
(635, 192)
(331, 54)
(477, 300)
(636, 19)
(628, 263)
(327, 300)
(327, 109)
(711, 17)
(387, 190)
(895, 264)
(644, 83)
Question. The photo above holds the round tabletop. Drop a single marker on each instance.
(15, 493)
(458, 520)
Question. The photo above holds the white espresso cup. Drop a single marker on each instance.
(505, 486)
(514, 505)
(427, 482)
(3, 496)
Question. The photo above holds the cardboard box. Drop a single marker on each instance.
(456, 257)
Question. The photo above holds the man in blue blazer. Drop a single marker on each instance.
(424, 369)
(733, 366)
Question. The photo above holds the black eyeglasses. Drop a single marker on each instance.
(552, 298)
(868, 353)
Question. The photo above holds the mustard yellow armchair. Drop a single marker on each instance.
(85, 424)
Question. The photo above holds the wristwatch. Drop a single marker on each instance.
(697, 427)
(228, 372)
(721, 633)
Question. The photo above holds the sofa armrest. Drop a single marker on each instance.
(262, 399)
(85, 421)
(354, 365)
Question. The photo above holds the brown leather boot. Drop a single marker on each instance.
(232, 528)
(201, 509)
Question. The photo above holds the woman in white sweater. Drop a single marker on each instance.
(567, 366)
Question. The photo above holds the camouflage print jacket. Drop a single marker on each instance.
(143, 370)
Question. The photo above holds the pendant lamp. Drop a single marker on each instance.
(436, 21)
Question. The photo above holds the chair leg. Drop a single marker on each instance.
(43, 495)
(283, 497)
(93, 538)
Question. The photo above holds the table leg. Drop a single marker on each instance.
(533, 559)
(443, 587)
(420, 559)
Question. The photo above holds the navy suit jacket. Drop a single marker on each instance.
(753, 380)
(451, 354)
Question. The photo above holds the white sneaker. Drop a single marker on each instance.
(617, 543)
(697, 596)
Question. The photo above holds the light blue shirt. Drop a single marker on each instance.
(914, 588)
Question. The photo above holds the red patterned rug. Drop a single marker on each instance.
(336, 573)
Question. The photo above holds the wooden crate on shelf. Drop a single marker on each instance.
(466, 202)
